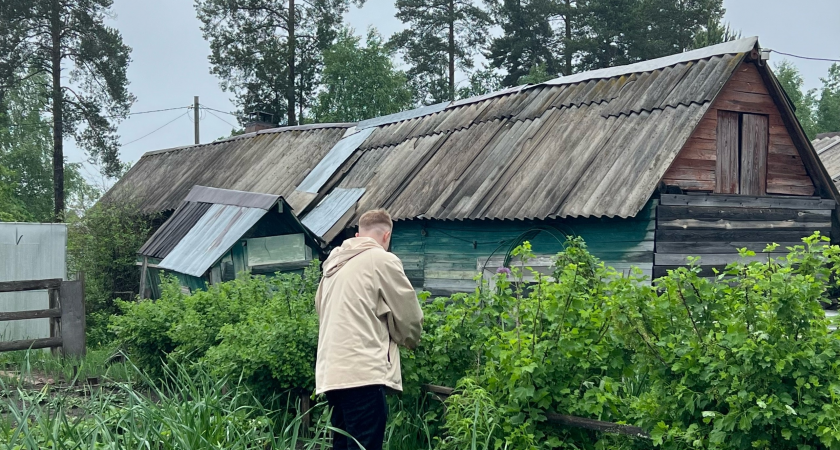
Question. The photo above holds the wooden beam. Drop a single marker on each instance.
(757, 214)
(757, 236)
(666, 259)
(35, 314)
(723, 224)
(30, 344)
(29, 285)
(743, 201)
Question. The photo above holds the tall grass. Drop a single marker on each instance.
(188, 410)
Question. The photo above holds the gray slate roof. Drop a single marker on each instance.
(827, 146)
(594, 144)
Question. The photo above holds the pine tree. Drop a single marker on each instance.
(528, 39)
(442, 36)
(828, 107)
(268, 53)
(85, 62)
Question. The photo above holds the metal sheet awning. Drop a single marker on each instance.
(208, 240)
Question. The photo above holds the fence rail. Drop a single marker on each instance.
(442, 392)
(66, 313)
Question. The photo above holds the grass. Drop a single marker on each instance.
(188, 409)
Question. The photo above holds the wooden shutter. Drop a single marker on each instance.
(728, 158)
(754, 140)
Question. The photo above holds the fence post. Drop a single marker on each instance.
(73, 318)
(55, 322)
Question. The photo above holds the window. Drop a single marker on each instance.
(289, 248)
(742, 141)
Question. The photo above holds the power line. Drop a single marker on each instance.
(156, 129)
(219, 111)
(223, 120)
(154, 111)
(803, 57)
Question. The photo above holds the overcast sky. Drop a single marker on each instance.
(170, 59)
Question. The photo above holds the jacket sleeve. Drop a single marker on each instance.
(405, 319)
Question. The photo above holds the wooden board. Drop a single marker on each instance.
(754, 136)
(712, 259)
(29, 285)
(702, 248)
(747, 202)
(736, 235)
(723, 224)
(727, 173)
(701, 213)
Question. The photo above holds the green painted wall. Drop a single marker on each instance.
(443, 256)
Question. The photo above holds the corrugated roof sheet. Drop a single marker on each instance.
(334, 206)
(173, 230)
(193, 209)
(270, 161)
(827, 146)
(325, 169)
(210, 238)
(231, 197)
(593, 144)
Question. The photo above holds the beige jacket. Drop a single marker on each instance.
(366, 307)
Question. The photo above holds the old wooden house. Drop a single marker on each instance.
(693, 154)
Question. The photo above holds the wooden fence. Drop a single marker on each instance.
(441, 393)
(66, 313)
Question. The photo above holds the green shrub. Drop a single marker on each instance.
(103, 243)
(143, 329)
(263, 329)
(744, 361)
(273, 347)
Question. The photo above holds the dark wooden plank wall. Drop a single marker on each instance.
(714, 227)
(694, 168)
(444, 257)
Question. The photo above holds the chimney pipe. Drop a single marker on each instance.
(259, 120)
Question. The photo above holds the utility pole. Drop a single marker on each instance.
(195, 114)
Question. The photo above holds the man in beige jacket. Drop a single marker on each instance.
(366, 308)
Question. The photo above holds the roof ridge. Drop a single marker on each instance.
(278, 130)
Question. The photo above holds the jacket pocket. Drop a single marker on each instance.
(390, 358)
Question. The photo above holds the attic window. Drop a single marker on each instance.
(742, 141)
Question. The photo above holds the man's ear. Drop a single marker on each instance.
(357, 234)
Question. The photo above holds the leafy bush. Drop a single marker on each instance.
(263, 329)
(103, 243)
(273, 347)
(744, 361)
(143, 330)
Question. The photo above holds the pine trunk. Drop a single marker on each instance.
(451, 49)
(290, 89)
(568, 45)
(57, 106)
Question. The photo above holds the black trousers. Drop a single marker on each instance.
(362, 413)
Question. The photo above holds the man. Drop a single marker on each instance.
(366, 308)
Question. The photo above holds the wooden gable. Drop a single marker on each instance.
(721, 156)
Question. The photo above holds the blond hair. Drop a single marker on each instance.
(376, 218)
